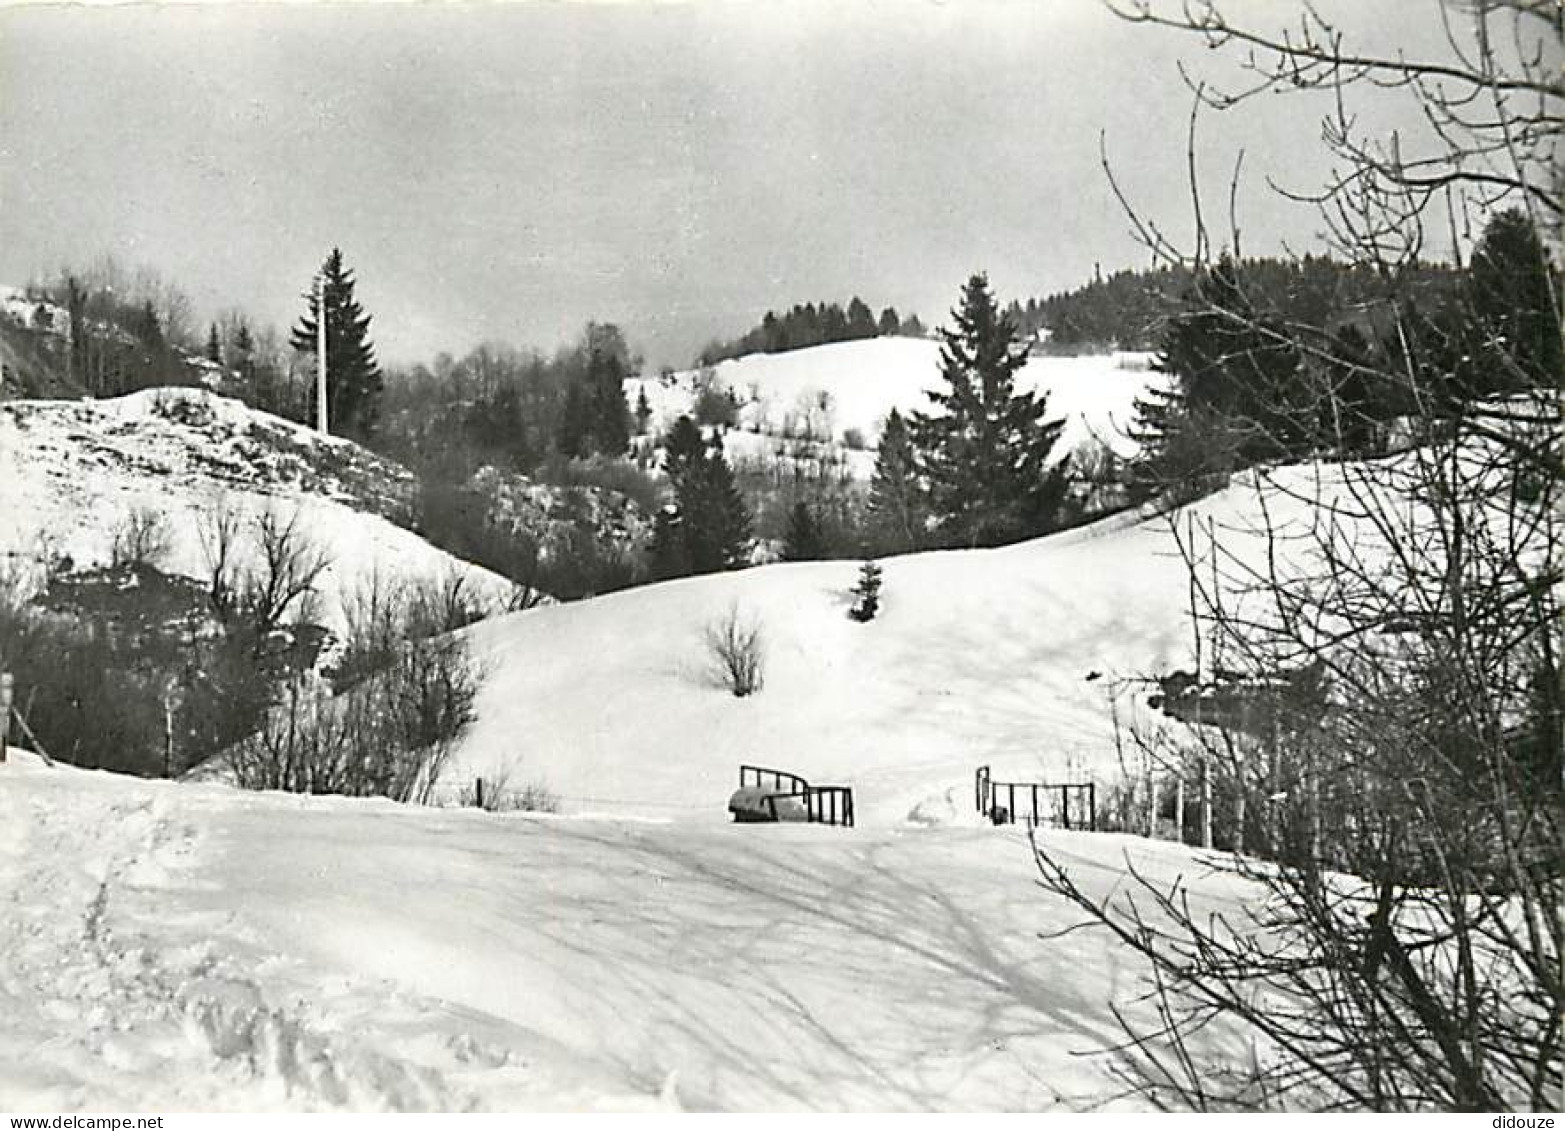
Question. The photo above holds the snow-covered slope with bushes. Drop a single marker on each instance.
(845, 389)
(74, 472)
(1005, 657)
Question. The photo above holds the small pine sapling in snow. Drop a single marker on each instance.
(868, 593)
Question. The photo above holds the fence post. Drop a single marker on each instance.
(5, 711)
(1092, 805)
(478, 792)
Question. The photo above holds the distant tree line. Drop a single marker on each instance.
(812, 324)
(1131, 309)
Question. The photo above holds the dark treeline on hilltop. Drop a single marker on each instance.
(1131, 309)
(1261, 372)
(812, 324)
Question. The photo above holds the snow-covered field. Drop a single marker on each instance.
(830, 390)
(1004, 657)
(73, 472)
(188, 947)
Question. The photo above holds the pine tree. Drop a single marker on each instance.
(868, 593)
(214, 347)
(353, 378)
(573, 437)
(242, 351)
(1236, 394)
(684, 448)
(889, 323)
(861, 320)
(897, 511)
(606, 374)
(708, 526)
(147, 327)
(1515, 299)
(670, 555)
(985, 455)
(719, 521)
(643, 412)
(595, 418)
(805, 538)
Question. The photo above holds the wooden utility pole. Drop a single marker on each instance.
(322, 422)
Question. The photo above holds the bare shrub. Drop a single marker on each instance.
(142, 538)
(499, 796)
(535, 797)
(737, 652)
(521, 597)
(398, 700)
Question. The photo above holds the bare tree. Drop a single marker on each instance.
(1377, 685)
(290, 565)
(141, 539)
(219, 538)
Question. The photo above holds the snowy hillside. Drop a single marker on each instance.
(191, 948)
(73, 471)
(1003, 656)
(781, 395)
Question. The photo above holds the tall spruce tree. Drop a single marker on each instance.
(1515, 295)
(985, 455)
(353, 379)
(897, 510)
(595, 418)
(707, 527)
(1236, 393)
(860, 320)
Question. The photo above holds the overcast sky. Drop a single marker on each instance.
(510, 171)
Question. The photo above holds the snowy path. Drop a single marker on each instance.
(189, 947)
